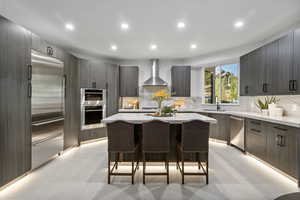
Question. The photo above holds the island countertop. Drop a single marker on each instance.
(139, 118)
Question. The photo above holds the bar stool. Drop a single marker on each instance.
(156, 139)
(121, 139)
(194, 140)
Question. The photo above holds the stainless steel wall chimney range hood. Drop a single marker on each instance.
(155, 80)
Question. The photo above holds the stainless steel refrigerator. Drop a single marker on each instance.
(47, 107)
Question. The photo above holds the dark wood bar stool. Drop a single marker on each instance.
(156, 139)
(194, 140)
(121, 139)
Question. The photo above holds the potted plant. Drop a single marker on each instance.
(263, 105)
(159, 97)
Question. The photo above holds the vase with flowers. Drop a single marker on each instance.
(159, 97)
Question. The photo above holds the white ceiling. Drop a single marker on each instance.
(209, 24)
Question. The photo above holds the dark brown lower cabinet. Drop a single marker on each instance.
(275, 144)
(221, 130)
(282, 148)
(93, 134)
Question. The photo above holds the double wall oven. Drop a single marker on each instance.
(93, 107)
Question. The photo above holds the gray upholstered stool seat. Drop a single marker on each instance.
(194, 140)
(156, 139)
(122, 139)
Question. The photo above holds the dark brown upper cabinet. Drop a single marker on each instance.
(129, 81)
(273, 69)
(283, 71)
(181, 81)
(296, 62)
(92, 74)
(245, 78)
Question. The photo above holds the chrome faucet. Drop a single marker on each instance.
(218, 106)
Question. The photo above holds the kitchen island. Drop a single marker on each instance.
(175, 130)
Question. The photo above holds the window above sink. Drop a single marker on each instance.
(221, 84)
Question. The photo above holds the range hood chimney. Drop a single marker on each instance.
(155, 80)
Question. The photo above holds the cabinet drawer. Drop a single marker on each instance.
(256, 143)
(254, 125)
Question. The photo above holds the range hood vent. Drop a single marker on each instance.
(155, 80)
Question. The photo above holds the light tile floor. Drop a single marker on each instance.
(81, 174)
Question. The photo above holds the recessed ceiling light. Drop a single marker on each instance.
(69, 27)
(124, 26)
(193, 46)
(181, 25)
(239, 24)
(114, 47)
(153, 46)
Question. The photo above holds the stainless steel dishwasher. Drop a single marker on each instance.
(237, 133)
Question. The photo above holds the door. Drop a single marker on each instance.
(181, 81)
(129, 81)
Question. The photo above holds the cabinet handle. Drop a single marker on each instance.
(246, 89)
(254, 122)
(29, 73)
(255, 130)
(266, 87)
(65, 85)
(94, 85)
(137, 91)
(279, 128)
(291, 85)
(282, 141)
(278, 140)
(295, 85)
(29, 90)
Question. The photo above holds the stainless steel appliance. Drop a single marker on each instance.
(93, 108)
(47, 107)
(154, 79)
(237, 133)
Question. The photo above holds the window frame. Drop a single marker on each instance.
(220, 90)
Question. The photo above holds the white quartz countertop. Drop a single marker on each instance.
(285, 120)
(139, 118)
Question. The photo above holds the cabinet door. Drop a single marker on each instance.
(282, 147)
(84, 73)
(296, 62)
(256, 138)
(129, 81)
(262, 72)
(15, 104)
(98, 75)
(112, 89)
(220, 131)
(72, 102)
(253, 74)
(271, 63)
(181, 81)
(283, 70)
(244, 75)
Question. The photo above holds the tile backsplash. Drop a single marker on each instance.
(290, 103)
